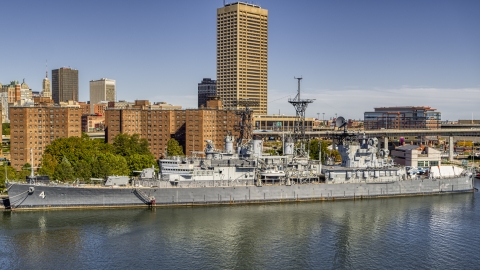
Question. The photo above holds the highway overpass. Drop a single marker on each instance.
(463, 132)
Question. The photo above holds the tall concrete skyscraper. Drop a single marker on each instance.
(64, 84)
(242, 37)
(101, 90)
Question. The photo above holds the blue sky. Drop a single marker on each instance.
(353, 55)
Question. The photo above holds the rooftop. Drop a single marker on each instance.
(242, 3)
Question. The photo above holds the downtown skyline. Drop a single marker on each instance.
(353, 56)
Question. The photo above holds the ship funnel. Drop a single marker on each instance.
(229, 144)
(257, 146)
(288, 147)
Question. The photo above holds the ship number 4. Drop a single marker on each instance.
(42, 195)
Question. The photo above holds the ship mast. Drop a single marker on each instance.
(300, 106)
(245, 126)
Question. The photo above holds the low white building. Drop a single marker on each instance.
(416, 156)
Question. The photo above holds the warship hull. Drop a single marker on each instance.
(24, 196)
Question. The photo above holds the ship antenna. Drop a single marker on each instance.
(299, 130)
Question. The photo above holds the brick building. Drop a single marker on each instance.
(84, 107)
(93, 123)
(36, 126)
(100, 108)
(190, 127)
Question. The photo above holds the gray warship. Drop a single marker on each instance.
(246, 175)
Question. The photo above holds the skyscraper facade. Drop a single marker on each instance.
(206, 89)
(64, 84)
(101, 90)
(46, 92)
(242, 37)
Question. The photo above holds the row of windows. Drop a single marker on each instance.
(427, 163)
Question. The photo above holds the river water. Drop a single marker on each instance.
(440, 232)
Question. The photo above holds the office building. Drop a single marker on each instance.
(101, 90)
(46, 88)
(190, 127)
(11, 94)
(64, 84)
(416, 156)
(242, 31)
(206, 90)
(25, 92)
(404, 117)
(36, 126)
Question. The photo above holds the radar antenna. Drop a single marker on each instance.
(344, 137)
(300, 106)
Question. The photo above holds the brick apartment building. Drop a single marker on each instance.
(36, 126)
(93, 123)
(190, 127)
(100, 108)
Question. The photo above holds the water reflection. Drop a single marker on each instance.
(433, 231)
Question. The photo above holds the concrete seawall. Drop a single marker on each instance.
(4, 202)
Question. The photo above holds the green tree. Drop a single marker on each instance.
(5, 128)
(83, 170)
(336, 155)
(173, 148)
(314, 149)
(11, 175)
(83, 158)
(49, 163)
(64, 171)
(109, 164)
(126, 145)
(325, 152)
(24, 172)
(135, 150)
(138, 162)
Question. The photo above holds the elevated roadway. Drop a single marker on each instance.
(463, 132)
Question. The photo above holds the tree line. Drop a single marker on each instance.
(69, 159)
